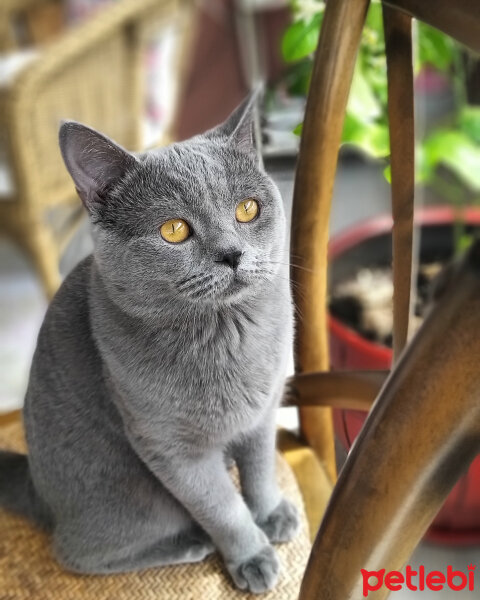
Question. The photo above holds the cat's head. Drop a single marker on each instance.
(197, 221)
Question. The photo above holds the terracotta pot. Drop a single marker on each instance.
(369, 244)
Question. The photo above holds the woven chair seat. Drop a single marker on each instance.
(28, 570)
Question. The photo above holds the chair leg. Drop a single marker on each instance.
(322, 129)
(39, 241)
(398, 46)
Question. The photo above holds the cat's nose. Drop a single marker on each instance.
(230, 258)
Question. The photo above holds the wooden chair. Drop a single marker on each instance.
(94, 73)
(417, 440)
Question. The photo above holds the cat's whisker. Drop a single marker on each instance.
(205, 290)
(193, 281)
(187, 280)
(199, 286)
(287, 296)
(290, 264)
(293, 284)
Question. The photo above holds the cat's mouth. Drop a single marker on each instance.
(239, 283)
(242, 280)
(215, 287)
(236, 289)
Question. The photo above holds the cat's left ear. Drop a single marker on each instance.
(241, 126)
(94, 162)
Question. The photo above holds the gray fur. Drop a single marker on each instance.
(155, 363)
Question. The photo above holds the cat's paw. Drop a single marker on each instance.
(282, 523)
(257, 574)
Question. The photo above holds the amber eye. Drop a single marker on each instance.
(175, 231)
(246, 210)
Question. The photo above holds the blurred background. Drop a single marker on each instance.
(148, 72)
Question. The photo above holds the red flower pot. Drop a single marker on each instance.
(369, 244)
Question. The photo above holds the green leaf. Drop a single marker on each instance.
(387, 173)
(464, 242)
(455, 150)
(298, 129)
(352, 129)
(371, 138)
(374, 18)
(435, 48)
(379, 140)
(301, 38)
(297, 79)
(424, 171)
(469, 122)
(362, 102)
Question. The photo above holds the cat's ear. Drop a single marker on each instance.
(241, 126)
(94, 161)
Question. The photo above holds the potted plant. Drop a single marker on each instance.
(448, 165)
(370, 244)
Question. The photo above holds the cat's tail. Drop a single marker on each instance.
(17, 492)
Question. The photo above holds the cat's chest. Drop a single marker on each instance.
(218, 375)
(220, 354)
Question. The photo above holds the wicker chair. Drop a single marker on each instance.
(27, 569)
(93, 73)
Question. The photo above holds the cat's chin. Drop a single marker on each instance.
(240, 289)
(237, 291)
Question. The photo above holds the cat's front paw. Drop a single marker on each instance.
(282, 523)
(257, 574)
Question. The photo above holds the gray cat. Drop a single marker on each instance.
(161, 357)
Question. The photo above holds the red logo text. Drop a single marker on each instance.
(419, 580)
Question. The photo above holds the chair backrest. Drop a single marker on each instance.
(332, 73)
(95, 74)
(364, 491)
(29, 22)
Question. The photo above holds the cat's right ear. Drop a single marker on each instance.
(94, 161)
(240, 127)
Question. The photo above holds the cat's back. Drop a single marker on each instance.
(66, 369)
(65, 331)
(74, 433)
